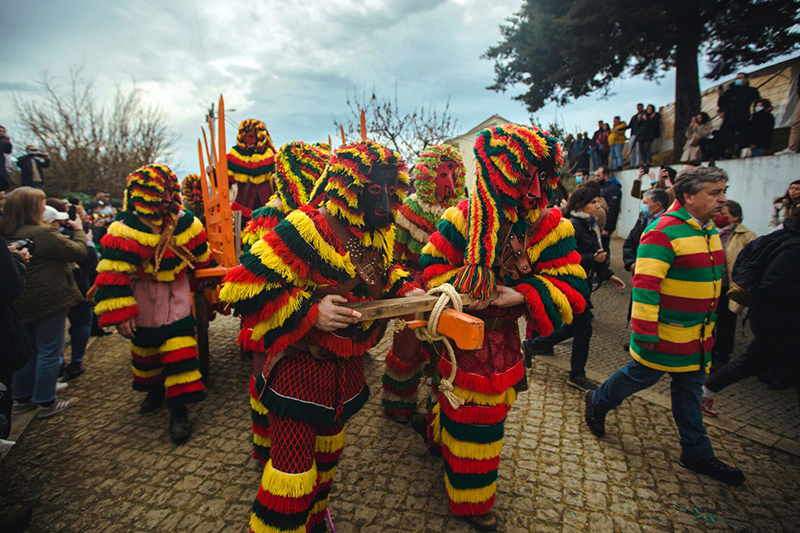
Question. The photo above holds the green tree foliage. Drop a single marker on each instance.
(564, 49)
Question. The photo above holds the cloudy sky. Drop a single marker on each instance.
(287, 63)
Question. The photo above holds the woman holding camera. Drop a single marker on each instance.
(50, 290)
(582, 208)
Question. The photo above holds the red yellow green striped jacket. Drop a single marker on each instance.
(128, 253)
(676, 290)
(556, 290)
(416, 222)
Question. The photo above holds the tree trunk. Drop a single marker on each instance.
(687, 90)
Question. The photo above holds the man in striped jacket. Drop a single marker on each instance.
(676, 289)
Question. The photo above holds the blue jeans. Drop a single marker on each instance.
(686, 391)
(38, 377)
(80, 328)
(616, 156)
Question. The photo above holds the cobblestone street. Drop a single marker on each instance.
(103, 467)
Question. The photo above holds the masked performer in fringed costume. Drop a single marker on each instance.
(251, 167)
(439, 183)
(337, 250)
(192, 191)
(143, 289)
(298, 166)
(505, 240)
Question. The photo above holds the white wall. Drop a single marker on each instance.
(753, 182)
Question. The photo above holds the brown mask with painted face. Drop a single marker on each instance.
(530, 188)
(250, 139)
(445, 181)
(376, 196)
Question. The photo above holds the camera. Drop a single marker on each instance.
(646, 168)
(24, 243)
(72, 212)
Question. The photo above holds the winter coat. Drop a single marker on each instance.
(617, 134)
(735, 102)
(15, 349)
(25, 164)
(611, 192)
(587, 239)
(737, 240)
(694, 133)
(676, 291)
(762, 124)
(631, 244)
(50, 285)
(649, 128)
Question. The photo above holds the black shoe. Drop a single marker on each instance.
(100, 332)
(15, 519)
(595, 420)
(532, 350)
(582, 383)
(72, 371)
(781, 382)
(179, 427)
(522, 384)
(712, 467)
(419, 423)
(152, 401)
(626, 347)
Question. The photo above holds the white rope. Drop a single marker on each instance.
(447, 295)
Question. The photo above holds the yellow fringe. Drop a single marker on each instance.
(190, 233)
(264, 252)
(327, 476)
(145, 352)
(236, 291)
(258, 407)
(107, 265)
(183, 377)
(320, 506)
(260, 527)
(562, 231)
(146, 373)
(258, 440)
(279, 317)
(436, 424)
(176, 343)
(559, 299)
(566, 270)
(307, 230)
(469, 495)
(329, 443)
(118, 229)
(471, 450)
(335, 210)
(288, 485)
(479, 398)
(443, 278)
(112, 304)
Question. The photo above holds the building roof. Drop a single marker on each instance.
(491, 121)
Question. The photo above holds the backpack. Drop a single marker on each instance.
(751, 263)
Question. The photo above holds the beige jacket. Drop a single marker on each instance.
(736, 242)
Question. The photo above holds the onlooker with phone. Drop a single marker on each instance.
(31, 166)
(50, 290)
(649, 131)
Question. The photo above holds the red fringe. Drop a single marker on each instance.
(286, 504)
(328, 457)
(558, 262)
(281, 343)
(407, 287)
(117, 316)
(264, 163)
(453, 255)
(147, 381)
(435, 270)
(536, 312)
(144, 360)
(575, 299)
(127, 245)
(401, 367)
(475, 414)
(469, 466)
(112, 278)
(315, 519)
(185, 388)
(494, 384)
(260, 430)
(342, 347)
(179, 355)
(467, 508)
(399, 392)
(551, 221)
(239, 274)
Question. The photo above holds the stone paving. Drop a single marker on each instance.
(103, 467)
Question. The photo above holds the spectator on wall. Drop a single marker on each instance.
(700, 128)
(633, 124)
(31, 167)
(783, 206)
(794, 131)
(762, 124)
(734, 106)
(649, 131)
(616, 142)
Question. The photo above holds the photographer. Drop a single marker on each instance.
(31, 167)
(50, 290)
(583, 204)
(80, 316)
(665, 181)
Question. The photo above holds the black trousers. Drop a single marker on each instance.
(581, 328)
(724, 331)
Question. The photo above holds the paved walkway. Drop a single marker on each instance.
(103, 467)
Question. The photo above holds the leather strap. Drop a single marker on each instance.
(513, 258)
(167, 241)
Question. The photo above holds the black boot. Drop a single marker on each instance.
(419, 423)
(179, 427)
(15, 519)
(153, 400)
(712, 467)
(595, 420)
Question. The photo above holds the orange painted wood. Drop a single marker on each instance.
(466, 330)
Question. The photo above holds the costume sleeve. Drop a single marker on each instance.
(398, 283)
(272, 290)
(557, 291)
(262, 221)
(443, 256)
(653, 260)
(122, 255)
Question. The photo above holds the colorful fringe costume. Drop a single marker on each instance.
(143, 276)
(192, 191)
(298, 167)
(251, 165)
(466, 251)
(313, 381)
(416, 222)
